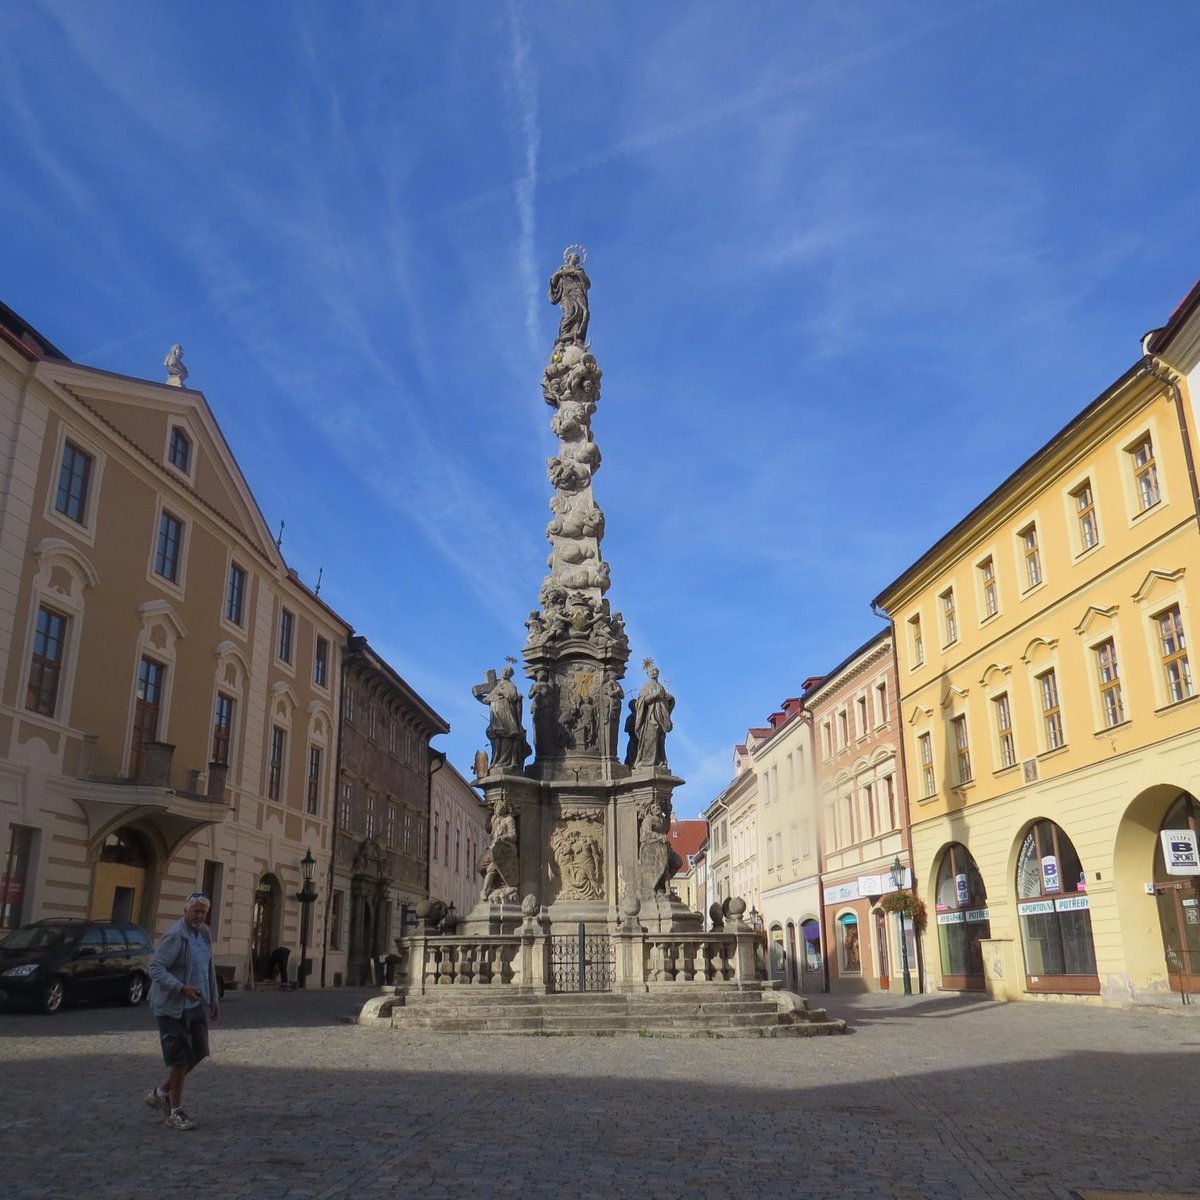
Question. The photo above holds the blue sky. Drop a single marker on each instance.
(851, 263)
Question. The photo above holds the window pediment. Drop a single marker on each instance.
(1157, 582)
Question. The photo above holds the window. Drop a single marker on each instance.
(963, 919)
(446, 843)
(987, 585)
(843, 728)
(222, 728)
(408, 836)
(889, 802)
(314, 779)
(14, 883)
(1004, 730)
(151, 677)
(372, 721)
(1053, 912)
(344, 806)
(1173, 648)
(770, 854)
(370, 814)
(1033, 559)
(457, 850)
(335, 920)
(436, 823)
(1111, 704)
(949, 619)
(275, 763)
(74, 479)
(1052, 727)
(917, 640)
(827, 738)
(860, 706)
(390, 829)
(1145, 474)
(1085, 515)
(179, 451)
(928, 782)
(348, 705)
(881, 703)
(287, 629)
(235, 595)
(321, 663)
(849, 955)
(170, 547)
(45, 668)
(962, 749)
(872, 821)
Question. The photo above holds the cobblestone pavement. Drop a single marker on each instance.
(936, 1096)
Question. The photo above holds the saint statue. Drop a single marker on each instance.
(505, 731)
(651, 721)
(177, 373)
(569, 287)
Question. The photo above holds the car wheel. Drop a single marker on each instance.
(52, 997)
(135, 989)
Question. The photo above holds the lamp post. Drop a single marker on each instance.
(306, 895)
(897, 885)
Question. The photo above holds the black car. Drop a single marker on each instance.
(50, 962)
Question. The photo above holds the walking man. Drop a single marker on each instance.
(183, 995)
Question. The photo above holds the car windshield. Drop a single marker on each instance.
(40, 937)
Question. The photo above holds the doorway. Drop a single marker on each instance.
(264, 929)
(881, 945)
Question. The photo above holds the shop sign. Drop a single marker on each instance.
(977, 914)
(950, 918)
(964, 891)
(1180, 852)
(1050, 880)
(840, 893)
(1032, 908)
(1071, 903)
(874, 885)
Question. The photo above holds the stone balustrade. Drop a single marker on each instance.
(520, 962)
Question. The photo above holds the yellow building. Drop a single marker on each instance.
(1050, 719)
(168, 712)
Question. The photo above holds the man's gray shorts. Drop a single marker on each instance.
(184, 1039)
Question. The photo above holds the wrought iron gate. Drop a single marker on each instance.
(582, 962)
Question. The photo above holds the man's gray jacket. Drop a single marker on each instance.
(169, 970)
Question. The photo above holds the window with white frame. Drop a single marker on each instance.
(1031, 555)
(1112, 705)
(46, 663)
(916, 639)
(1177, 673)
(74, 483)
(962, 748)
(287, 633)
(1085, 515)
(925, 751)
(881, 703)
(987, 587)
(1002, 713)
(949, 617)
(1052, 724)
(1145, 473)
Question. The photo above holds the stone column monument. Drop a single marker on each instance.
(582, 827)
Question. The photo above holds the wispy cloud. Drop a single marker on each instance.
(524, 85)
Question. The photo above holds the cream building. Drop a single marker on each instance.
(457, 837)
(789, 846)
(739, 797)
(862, 815)
(1050, 716)
(169, 688)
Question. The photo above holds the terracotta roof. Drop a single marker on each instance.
(1161, 338)
(687, 837)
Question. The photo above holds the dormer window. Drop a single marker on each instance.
(179, 450)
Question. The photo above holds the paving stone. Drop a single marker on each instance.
(928, 1097)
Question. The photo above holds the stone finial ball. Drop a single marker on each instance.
(737, 906)
(630, 905)
(529, 906)
(423, 909)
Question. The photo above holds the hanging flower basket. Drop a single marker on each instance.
(913, 907)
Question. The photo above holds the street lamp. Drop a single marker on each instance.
(306, 895)
(897, 885)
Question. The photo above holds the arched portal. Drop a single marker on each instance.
(265, 924)
(962, 919)
(119, 876)
(1054, 914)
(812, 966)
(1178, 896)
